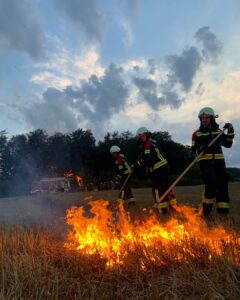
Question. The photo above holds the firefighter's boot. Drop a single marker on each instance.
(162, 208)
(119, 202)
(131, 202)
(207, 205)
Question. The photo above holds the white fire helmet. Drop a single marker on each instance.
(207, 111)
(114, 149)
(141, 130)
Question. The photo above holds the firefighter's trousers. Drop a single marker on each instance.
(216, 186)
(160, 183)
(126, 193)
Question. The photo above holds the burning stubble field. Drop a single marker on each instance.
(99, 252)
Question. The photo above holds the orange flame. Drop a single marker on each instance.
(68, 174)
(114, 236)
(79, 180)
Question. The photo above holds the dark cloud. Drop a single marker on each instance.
(145, 84)
(93, 103)
(184, 67)
(20, 28)
(171, 99)
(106, 95)
(148, 90)
(54, 114)
(85, 14)
(182, 71)
(212, 48)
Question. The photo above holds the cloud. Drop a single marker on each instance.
(92, 104)
(212, 48)
(53, 114)
(184, 67)
(180, 73)
(86, 15)
(20, 28)
(65, 67)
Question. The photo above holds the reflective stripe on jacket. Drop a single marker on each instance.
(152, 158)
(203, 136)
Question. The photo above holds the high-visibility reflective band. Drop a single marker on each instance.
(159, 164)
(120, 167)
(120, 201)
(173, 201)
(199, 133)
(146, 151)
(127, 172)
(156, 195)
(159, 154)
(162, 205)
(231, 134)
(121, 196)
(131, 200)
(208, 201)
(212, 156)
(193, 143)
(229, 139)
(223, 205)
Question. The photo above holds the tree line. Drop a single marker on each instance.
(25, 158)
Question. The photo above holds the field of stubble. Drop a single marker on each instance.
(35, 264)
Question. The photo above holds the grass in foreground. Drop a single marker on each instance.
(36, 266)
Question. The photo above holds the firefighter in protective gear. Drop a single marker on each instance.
(123, 171)
(212, 163)
(158, 170)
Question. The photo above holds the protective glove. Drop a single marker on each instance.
(229, 127)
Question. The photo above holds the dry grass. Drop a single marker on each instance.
(35, 265)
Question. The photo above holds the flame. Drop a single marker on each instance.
(69, 174)
(114, 237)
(79, 180)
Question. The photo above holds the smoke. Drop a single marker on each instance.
(41, 211)
(20, 28)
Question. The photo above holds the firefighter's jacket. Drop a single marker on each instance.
(203, 136)
(151, 157)
(123, 168)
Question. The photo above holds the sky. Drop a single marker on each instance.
(118, 65)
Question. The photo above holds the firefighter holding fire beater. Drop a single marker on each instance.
(212, 163)
(123, 177)
(157, 168)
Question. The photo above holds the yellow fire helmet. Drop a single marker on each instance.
(207, 111)
(114, 149)
(141, 130)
